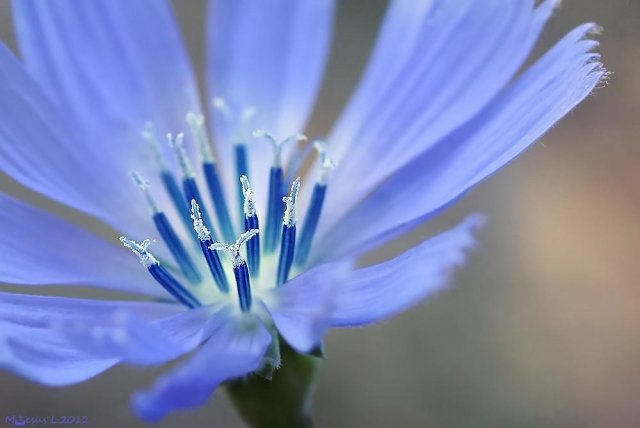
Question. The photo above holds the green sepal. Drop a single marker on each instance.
(272, 360)
(282, 402)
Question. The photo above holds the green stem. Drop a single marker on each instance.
(284, 401)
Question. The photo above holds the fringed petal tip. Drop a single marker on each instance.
(381, 291)
(594, 59)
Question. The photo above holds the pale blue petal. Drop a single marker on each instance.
(381, 291)
(42, 150)
(271, 55)
(33, 345)
(301, 308)
(46, 359)
(233, 350)
(124, 334)
(109, 66)
(109, 63)
(508, 125)
(436, 64)
(38, 248)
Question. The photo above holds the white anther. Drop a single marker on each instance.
(289, 218)
(198, 223)
(149, 134)
(140, 250)
(234, 249)
(196, 123)
(249, 206)
(144, 187)
(177, 144)
(326, 163)
(277, 145)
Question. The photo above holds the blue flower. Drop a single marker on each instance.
(441, 106)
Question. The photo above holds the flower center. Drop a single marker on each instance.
(281, 249)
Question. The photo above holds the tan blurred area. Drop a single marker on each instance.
(542, 329)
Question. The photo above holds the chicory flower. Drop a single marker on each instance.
(240, 249)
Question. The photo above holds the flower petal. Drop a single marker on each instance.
(42, 150)
(33, 346)
(109, 62)
(125, 335)
(508, 125)
(301, 308)
(47, 359)
(109, 66)
(39, 248)
(269, 55)
(381, 291)
(233, 350)
(436, 64)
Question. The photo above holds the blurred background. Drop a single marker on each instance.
(542, 329)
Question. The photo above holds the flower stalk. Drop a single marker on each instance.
(282, 402)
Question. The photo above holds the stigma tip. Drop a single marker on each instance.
(140, 250)
(198, 224)
(289, 218)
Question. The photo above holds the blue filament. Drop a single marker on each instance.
(274, 209)
(219, 201)
(173, 286)
(191, 191)
(287, 250)
(310, 224)
(241, 273)
(215, 266)
(178, 251)
(253, 246)
(171, 186)
(242, 168)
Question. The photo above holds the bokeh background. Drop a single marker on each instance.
(542, 329)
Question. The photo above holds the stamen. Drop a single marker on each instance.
(291, 201)
(310, 223)
(278, 145)
(170, 237)
(159, 273)
(296, 161)
(238, 138)
(240, 269)
(211, 175)
(189, 185)
(326, 163)
(212, 258)
(274, 205)
(221, 105)
(168, 179)
(196, 122)
(274, 209)
(237, 126)
(241, 164)
(287, 244)
(140, 249)
(177, 144)
(149, 134)
(219, 200)
(198, 225)
(315, 206)
(251, 222)
(144, 187)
